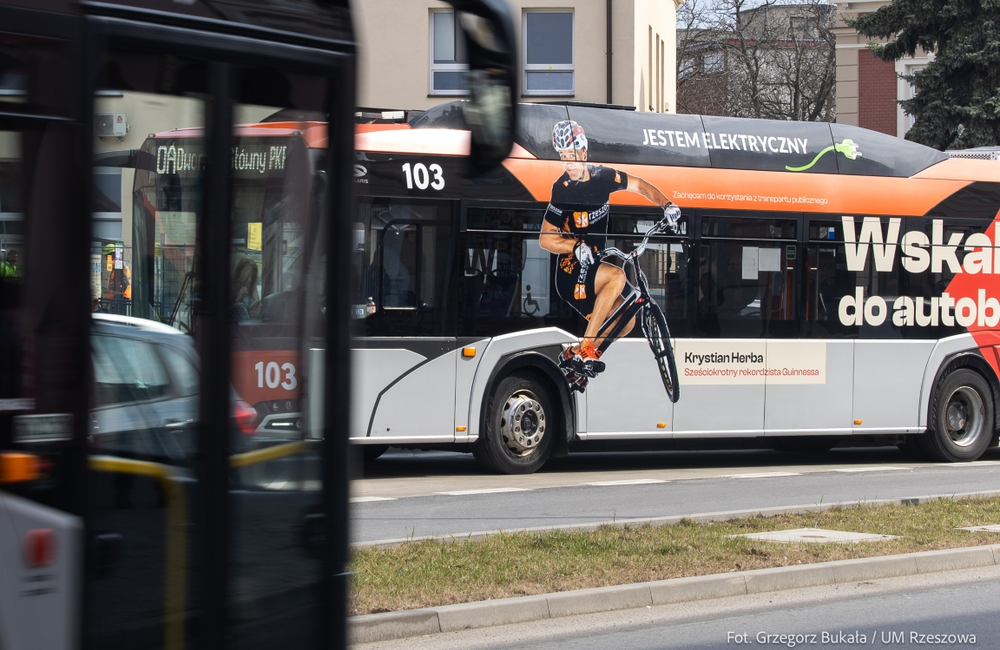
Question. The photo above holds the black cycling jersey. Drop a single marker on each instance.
(582, 207)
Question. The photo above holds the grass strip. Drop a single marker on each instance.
(431, 572)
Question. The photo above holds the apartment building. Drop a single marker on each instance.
(600, 51)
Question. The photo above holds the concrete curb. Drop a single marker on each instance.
(449, 618)
(701, 517)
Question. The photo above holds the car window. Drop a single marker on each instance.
(185, 375)
(126, 370)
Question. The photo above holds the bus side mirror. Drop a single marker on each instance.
(491, 113)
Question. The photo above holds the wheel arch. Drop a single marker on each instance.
(545, 370)
(972, 360)
(496, 354)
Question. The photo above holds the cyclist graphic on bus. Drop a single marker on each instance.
(575, 228)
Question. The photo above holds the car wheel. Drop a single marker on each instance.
(960, 423)
(520, 427)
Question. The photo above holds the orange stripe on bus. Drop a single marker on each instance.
(738, 189)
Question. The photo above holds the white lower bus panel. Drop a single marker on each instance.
(728, 388)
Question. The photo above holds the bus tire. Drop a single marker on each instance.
(519, 429)
(960, 422)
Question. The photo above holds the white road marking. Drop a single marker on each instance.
(370, 499)
(462, 493)
(762, 475)
(636, 481)
(872, 468)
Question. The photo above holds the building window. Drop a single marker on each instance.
(686, 67)
(911, 92)
(548, 53)
(713, 62)
(805, 27)
(448, 59)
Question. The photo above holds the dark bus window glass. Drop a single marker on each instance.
(16, 380)
(507, 278)
(12, 204)
(667, 265)
(34, 76)
(403, 260)
(503, 219)
(277, 257)
(747, 289)
(909, 285)
(146, 204)
(749, 228)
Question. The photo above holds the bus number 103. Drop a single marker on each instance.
(275, 376)
(421, 175)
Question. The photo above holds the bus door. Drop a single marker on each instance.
(43, 333)
(406, 352)
(806, 378)
(746, 297)
(830, 404)
(206, 502)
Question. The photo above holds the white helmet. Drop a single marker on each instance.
(568, 135)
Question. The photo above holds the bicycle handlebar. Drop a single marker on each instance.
(660, 226)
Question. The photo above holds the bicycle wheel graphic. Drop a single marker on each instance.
(654, 326)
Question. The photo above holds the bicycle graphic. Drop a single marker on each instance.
(653, 322)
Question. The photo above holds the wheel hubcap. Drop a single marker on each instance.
(522, 423)
(964, 416)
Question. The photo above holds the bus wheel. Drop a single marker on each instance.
(520, 425)
(960, 425)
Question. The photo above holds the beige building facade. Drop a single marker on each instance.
(408, 61)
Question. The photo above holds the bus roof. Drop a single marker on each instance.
(617, 136)
(625, 137)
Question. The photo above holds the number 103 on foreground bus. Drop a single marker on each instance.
(631, 276)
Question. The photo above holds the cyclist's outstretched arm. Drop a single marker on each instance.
(648, 190)
(556, 241)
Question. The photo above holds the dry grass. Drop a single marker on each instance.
(429, 573)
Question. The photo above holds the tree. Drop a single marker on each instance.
(757, 58)
(957, 100)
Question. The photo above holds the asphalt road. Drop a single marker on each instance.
(414, 495)
(932, 610)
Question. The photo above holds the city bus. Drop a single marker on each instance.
(167, 301)
(825, 283)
